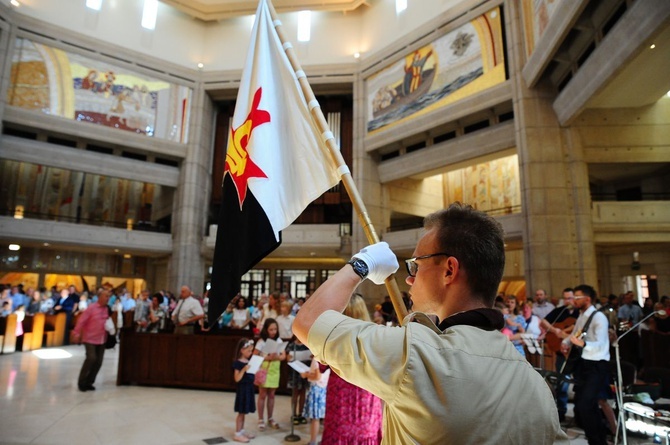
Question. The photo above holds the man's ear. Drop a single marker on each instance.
(451, 269)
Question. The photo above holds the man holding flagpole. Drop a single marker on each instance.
(461, 381)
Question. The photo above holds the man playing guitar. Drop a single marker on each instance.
(558, 324)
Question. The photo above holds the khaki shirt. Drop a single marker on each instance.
(463, 386)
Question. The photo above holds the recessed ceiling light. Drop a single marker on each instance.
(14, 247)
(357, 55)
(15, 3)
(149, 14)
(201, 65)
(96, 5)
(653, 45)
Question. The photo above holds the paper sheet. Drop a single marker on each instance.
(255, 363)
(272, 346)
(299, 366)
(300, 355)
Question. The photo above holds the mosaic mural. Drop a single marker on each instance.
(56, 82)
(462, 62)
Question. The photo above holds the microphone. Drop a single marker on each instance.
(619, 387)
(662, 313)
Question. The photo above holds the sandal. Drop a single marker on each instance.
(274, 425)
(247, 434)
(261, 425)
(296, 420)
(239, 437)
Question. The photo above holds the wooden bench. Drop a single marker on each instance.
(33, 332)
(8, 332)
(54, 329)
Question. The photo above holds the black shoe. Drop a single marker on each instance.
(90, 388)
(561, 417)
(83, 388)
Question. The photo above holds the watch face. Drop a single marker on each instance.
(359, 267)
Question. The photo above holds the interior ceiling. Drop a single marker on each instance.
(211, 10)
(643, 80)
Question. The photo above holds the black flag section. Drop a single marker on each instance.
(243, 239)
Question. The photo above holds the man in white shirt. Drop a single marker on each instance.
(592, 373)
(187, 313)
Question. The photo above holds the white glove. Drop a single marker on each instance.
(381, 261)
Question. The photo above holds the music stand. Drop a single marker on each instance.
(621, 417)
(292, 437)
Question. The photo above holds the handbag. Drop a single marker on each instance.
(261, 375)
(110, 343)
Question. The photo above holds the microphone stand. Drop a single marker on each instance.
(621, 417)
(293, 437)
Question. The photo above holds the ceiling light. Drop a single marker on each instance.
(14, 247)
(653, 45)
(96, 5)
(149, 14)
(357, 55)
(201, 65)
(46, 244)
(15, 3)
(127, 255)
(400, 6)
(304, 25)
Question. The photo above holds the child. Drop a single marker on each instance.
(315, 405)
(266, 391)
(285, 321)
(297, 383)
(244, 396)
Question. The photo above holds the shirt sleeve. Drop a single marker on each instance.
(373, 356)
(82, 321)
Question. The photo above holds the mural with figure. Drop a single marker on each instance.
(464, 61)
(73, 86)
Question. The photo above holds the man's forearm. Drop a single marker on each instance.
(334, 294)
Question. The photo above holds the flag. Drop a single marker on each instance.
(276, 163)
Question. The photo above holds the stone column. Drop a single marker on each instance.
(366, 177)
(558, 233)
(189, 217)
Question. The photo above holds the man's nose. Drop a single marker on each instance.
(409, 280)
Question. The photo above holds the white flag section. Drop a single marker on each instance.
(288, 149)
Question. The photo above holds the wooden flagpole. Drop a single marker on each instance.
(345, 174)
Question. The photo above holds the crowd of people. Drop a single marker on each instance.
(447, 362)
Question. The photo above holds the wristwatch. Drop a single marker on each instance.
(359, 267)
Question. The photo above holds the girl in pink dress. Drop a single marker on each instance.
(353, 415)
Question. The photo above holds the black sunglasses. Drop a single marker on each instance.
(413, 266)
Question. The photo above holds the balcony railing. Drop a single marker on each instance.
(146, 226)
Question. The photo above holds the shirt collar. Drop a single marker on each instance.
(483, 318)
